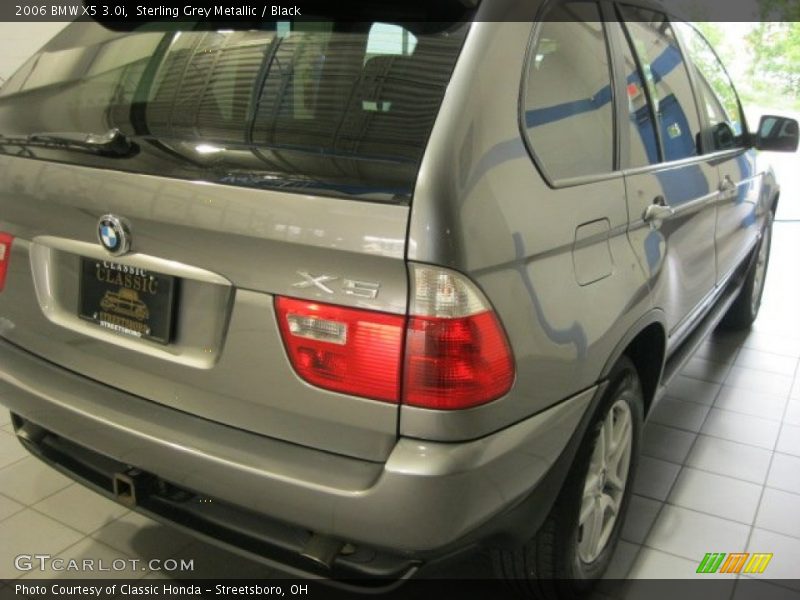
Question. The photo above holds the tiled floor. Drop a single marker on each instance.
(720, 471)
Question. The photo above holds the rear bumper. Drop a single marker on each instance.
(425, 497)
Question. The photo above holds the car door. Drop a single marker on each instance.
(670, 187)
(725, 141)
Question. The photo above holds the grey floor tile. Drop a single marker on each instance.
(80, 508)
(140, 537)
(654, 478)
(693, 390)
(766, 361)
(30, 480)
(741, 428)
(691, 534)
(706, 370)
(209, 561)
(680, 414)
(759, 381)
(642, 513)
(94, 560)
(667, 443)
(29, 532)
(622, 561)
(717, 352)
(792, 416)
(718, 495)
(784, 474)
(11, 451)
(730, 458)
(754, 589)
(752, 403)
(8, 507)
(780, 512)
(785, 559)
(789, 440)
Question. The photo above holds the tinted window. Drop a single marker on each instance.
(568, 100)
(344, 108)
(718, 97)
(668, 81)
(642, 145)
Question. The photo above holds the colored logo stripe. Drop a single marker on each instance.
(714, 562)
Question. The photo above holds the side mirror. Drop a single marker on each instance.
(777, 134)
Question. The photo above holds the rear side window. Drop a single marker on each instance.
(665, 74)
(567, 97)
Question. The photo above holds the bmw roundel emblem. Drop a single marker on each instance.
(114, 234)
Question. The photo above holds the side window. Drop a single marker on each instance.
(568, 101)
(642, 141)
(718, 96)
(667, 79)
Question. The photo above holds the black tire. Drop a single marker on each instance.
(550, 566)
(744, 310)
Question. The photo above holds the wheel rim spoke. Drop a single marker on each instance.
(605, 483)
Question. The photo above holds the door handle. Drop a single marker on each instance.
(727, 186)
(658, 211)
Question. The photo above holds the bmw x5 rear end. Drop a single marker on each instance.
(207, 294)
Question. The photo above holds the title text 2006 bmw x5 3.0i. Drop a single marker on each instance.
(385, 291)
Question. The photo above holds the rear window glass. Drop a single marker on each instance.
(344, 106)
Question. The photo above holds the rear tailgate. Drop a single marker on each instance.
(231, 197)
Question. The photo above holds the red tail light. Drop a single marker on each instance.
(457, 355)
(456, 352)
(5, 255)
(343, 349)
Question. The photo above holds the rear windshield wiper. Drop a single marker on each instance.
(113, 142)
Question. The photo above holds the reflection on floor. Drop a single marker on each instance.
(720, 471)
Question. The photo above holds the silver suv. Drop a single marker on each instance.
(402, 288)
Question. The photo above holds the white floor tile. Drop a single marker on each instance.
(766, 361)
(5, 417)
(721, 353)
(11, 451)
(655, 477)
(667, 443)
(730, 458)
(779, 512)
(30, 480)
(693, 390)
(717, 495)
(792, 416)
(29, 532)
(8, 507)
(80, 508)
(784, 474)
(654, 564)
(679, 414)
(759, 381)
(741, 428)
(752, 403)
(789, 440)
(795, 393)
(692, 534)
(773, 342)
(785, 559)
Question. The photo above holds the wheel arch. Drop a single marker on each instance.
(645, 344)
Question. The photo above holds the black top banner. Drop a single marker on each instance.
(132, 14)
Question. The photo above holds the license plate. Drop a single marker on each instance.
(128, 300)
